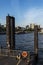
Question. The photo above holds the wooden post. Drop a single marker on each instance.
(35, 45)
(10, 30)
(36, 39)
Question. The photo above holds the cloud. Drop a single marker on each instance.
(33, 15)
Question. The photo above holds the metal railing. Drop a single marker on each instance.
(8, 52)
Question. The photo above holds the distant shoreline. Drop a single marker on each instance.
(1, 33)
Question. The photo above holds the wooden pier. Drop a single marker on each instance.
(10, 56)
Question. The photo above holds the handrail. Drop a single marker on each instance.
(8, 52)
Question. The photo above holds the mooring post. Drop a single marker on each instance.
(36, 41)
(10, 31)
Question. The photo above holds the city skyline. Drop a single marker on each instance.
(24, 11)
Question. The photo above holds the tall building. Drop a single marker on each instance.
(10, 30)
(4, 25)
(32, 26)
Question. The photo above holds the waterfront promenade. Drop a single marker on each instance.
(10, 58)
(7, 58)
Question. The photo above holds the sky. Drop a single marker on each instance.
(24, 11)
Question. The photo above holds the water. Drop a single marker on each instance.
(23, 41)
(26, 42)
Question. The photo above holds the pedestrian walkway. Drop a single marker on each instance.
(10, 57)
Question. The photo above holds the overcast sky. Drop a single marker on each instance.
(24, 11)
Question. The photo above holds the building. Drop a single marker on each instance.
(18, 27)
(27, 27)
(32, 26)
(10, 30)
(38, 26)
(5, 25)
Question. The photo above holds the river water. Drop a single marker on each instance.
(23, 41)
